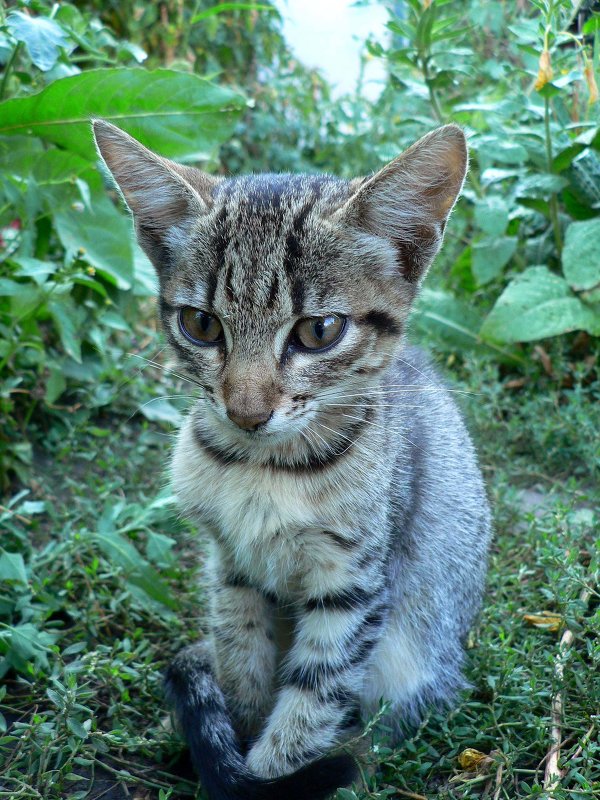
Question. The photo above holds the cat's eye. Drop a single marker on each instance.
(199, 326)
(318, 333)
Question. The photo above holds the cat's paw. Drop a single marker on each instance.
(265, 761)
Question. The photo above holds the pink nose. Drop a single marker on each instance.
(250, 422)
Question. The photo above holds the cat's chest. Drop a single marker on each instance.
(267, 522)
(265, 525)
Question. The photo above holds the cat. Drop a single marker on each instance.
(348, 519)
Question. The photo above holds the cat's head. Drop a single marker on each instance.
(283, 293)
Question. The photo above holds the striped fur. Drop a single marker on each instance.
(349, 532)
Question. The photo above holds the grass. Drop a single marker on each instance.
(99, 587)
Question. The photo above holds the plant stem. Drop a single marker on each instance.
(549, 158)
(7, 69)
(432, 95)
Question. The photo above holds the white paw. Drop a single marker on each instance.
(263, 760)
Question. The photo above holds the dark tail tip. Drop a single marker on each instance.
(315, 781)
(214, 750)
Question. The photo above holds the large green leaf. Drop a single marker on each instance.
(179, 115)
(12, 567)
(102, 236)
(581, 254)
(535, 305)
(17, 153)
(58, 166)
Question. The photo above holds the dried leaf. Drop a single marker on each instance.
(547, 620)
(545, 71)
(590, 78)
(545, 359)
(474, 760)
(515, 383)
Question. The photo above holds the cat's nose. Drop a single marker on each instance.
(249, 422)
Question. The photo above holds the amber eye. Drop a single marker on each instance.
(200, 327)
(318, 333)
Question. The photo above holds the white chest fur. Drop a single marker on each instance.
(269, 522)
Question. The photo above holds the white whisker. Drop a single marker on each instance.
(168, 370)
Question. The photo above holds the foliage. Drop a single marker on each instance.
(98, 579)
(86, 628)
(535, 172)
(70, 278)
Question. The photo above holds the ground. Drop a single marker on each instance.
(108, 586)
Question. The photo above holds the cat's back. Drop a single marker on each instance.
(441, 517)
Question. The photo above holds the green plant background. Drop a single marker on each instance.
(97, 575)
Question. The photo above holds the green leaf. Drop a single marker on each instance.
(503, 151)
(137, 570)
(78, 729)
(33, 268)
(25, 643)
(31, 507)
(42, 37)
(55, 385)
(566, 156)
(18, 153)
(160, 409)
(581, 254)
(223, 7)
(58, 166)
(159, 548)
(145, 280)
(102, 236)
(490, 256)
(491, 215)
(535, 305)
(10, 288)
(346, 794)
(452, 322)
(67, 318)
(178, 114)
(12, 567)
(541, 185)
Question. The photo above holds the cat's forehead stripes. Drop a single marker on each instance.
(260, 229)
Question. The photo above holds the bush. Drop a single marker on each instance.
(71, 280)
(522, 261)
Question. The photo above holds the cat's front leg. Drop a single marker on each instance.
(335, 634)
(242, 631)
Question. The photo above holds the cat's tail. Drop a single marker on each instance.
(202, 715)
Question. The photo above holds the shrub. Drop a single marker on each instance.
(71, 280)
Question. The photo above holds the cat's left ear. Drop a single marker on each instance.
(409, 201)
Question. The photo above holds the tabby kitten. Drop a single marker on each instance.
(348, 519)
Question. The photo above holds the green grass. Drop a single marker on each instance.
(99, 587)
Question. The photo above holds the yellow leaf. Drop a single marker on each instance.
(546, 620)
(590, 78)
(545, 72)
(473, 760)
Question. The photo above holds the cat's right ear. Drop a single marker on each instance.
(163, 196)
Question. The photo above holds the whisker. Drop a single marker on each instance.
(386, 429)
(168, 370)
(399, 389)
(171, 397)
(371, 405)
(343, 436)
